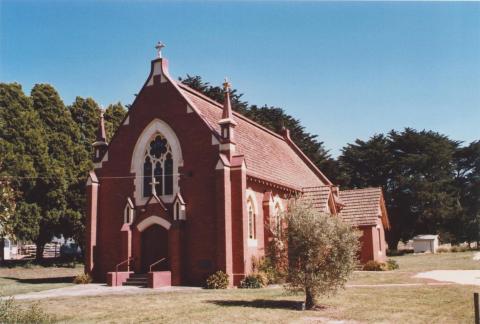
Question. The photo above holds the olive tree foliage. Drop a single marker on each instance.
(322, 251)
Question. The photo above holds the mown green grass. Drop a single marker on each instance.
(374, 304)
(440, 261)
(19, 280)
(425, 304)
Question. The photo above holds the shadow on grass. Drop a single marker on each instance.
(68, 279)
(259, 303)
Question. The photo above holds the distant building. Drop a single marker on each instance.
(425, 243)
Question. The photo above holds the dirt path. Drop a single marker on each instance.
(463, 277)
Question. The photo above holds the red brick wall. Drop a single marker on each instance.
(262, 221)
(373, 246)
(197, 186)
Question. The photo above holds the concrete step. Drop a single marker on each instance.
(136, 284)
(137, 279)
(139, 276)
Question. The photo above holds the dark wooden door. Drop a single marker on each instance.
(154, 248)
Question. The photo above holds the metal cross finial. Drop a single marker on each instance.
(226, 85)
(154, 184)
(159, 47)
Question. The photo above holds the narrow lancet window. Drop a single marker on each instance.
(168, 175)
(147, 177)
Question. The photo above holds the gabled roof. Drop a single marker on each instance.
(318, 197)
(363, 207)
(268, 155)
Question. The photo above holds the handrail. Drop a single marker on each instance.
(156, 262)
(118, 265)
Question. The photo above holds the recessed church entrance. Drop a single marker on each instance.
(154, 248)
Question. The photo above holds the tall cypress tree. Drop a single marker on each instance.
(25, 160)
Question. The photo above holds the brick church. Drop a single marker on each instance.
(187, 187)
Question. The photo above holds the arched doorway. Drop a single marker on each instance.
(154, 246)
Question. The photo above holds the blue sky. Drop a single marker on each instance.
(347, 70)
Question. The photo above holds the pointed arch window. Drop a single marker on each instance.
(251, 219)
(128, 212)
(277, 221)
(158, 166)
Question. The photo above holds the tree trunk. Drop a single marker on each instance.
(309, 299)
(39, 251)
(392, 240)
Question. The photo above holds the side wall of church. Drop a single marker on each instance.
(197, 182)
(263, 235)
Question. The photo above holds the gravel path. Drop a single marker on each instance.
(95, 290)
(463, 277)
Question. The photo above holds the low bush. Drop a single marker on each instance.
(458, 248)
(272, 271)
(395, 252)
(392, 264)
(399, 252)
(82, 279)
(374, 266)
(256, 280)
(218, 280)
(11, 312)
(443, 250)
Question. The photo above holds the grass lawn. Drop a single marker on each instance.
(440, 261)
(405, 304)
(18, 280)
(426, 304)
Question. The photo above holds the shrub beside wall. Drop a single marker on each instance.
(218, 280)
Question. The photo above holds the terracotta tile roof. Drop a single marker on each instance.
(362, 206)
(268, 155)
(317, 197)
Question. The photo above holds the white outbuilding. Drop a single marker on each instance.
(425, 243)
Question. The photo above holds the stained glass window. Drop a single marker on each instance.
(159, 166)
(168, 175)
(158, 174)
(147, 177)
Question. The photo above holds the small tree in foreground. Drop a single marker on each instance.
(322, 251)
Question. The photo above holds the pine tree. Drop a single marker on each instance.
(415, 170)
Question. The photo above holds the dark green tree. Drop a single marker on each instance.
(85, 113)
(366, 163)
(24, 158)
(467, 181)
(63, 190)
(416, 171)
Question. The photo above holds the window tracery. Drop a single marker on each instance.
(158, 167)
